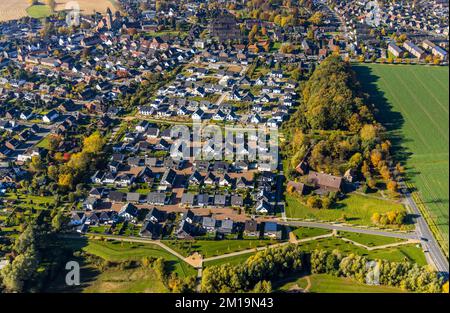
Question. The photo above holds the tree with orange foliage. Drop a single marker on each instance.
(375, 157)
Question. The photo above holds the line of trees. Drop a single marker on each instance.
(336, 125)
(405, 275)
(256, 273)
(261, 269)
(36, 256)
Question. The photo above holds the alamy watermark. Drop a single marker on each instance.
(210, 142)
(374, 13)
(73, 274)
(373, 273)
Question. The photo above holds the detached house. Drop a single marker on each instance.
(50, 116)
(128, 212)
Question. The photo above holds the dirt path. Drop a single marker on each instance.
(308, 286)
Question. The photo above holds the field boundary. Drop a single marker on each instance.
(428, 219)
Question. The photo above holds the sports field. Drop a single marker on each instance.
(413, 103)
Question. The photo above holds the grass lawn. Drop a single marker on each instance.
(413, 102)
(44, 143)
(116, 251)
(233, 260)
(357, 208)
(39, 11)
(369, 240)
(209, 248)
(325, 283)
(30, 201)
(136, 280)
(307, 232)
(410, 252)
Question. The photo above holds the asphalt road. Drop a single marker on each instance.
(429, 243)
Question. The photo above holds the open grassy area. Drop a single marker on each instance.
(410, 252)
(116, 251)
(39, 11)
(413, 103)
(210, 248)
(369, 240)
(357, 208)
(44, 143)
(28, 201)
(233, 260)
(325, 283)
(307, 232)
(136, 280)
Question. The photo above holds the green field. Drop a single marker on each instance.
(135, 280)
(233, 260)
(308, 232)
(39, 11)
(325, 283)
(369, 240)
(409, 252)
(358, 209)
(210, 248)
(116, 251)
(413, 104)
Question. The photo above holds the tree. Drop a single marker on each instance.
(159, 268)
(316, 18)
(53, 142)
(94, 143)
(371, 182)
(326, 203)
(59, 221)
(375, 157)
(375, 218)
(16, 274)
(36, 164)
(53, 172)
(368, 132)
(355, 160)
(65, 180)
(385, 173)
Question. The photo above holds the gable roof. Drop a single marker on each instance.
(325, 180)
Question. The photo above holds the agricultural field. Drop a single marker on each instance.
(358, 209)
(89, 6)
(15, 9)
(325, 283)
(413, 104)
(39, 11)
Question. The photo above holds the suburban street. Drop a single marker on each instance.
(367, 231)
(429, 243)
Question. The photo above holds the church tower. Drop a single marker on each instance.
(109, 18)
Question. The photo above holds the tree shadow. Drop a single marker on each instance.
(88, 273)
(384, 112)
